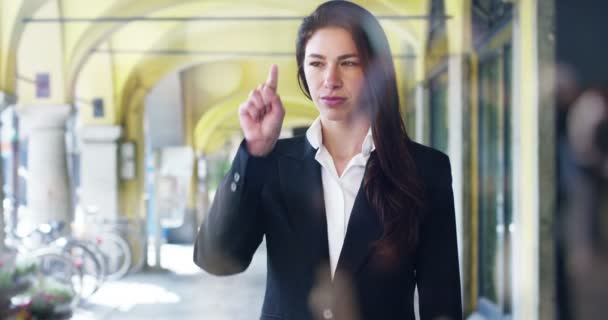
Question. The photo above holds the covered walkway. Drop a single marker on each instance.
(126, 110)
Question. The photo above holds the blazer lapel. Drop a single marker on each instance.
(300, 180)
(364, 228)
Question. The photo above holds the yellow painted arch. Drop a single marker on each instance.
(11, 38)
(222, 121)
(151, 71)
(97, 33)
(100, 32)
(153, 68)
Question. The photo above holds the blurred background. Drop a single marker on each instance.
(119, 119)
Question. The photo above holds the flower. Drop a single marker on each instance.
(23, 315)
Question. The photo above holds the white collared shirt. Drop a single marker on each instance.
(339, 192)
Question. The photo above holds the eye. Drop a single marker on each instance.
(350, 63)
(315, 63)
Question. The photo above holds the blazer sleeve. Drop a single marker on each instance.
(437, 270)
(233, 228)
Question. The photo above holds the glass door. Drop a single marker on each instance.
(494, 174)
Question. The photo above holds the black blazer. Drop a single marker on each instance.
(280, 196)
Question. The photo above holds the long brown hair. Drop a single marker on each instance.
(391, 183)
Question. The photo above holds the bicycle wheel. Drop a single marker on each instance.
(99, 255)
(57, 271)
(133, 233)
(84, 258)
(117, 254)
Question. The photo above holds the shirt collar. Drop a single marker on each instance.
(315, 138)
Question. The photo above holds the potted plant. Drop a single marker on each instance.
(51, 304)
(26, 294)
(14, 280)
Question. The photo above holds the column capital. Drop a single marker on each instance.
(43, 117)
(100, 133)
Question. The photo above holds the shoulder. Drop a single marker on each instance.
(431, 164)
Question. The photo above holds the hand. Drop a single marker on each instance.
(261, 116)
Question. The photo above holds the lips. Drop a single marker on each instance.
(332, 101)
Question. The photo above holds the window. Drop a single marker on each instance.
(437, 19)
(494, 201)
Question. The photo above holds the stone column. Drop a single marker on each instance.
(458, 143)
(48, 192)
(5, 101)
(99, 181)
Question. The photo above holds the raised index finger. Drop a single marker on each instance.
(273, 77)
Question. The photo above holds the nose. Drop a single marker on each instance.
(332, 78)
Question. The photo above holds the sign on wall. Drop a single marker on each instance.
(43, 85)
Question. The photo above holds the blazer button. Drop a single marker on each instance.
(237, 177)
(233, 187)
(328, 314)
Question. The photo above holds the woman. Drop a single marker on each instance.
(355, 214)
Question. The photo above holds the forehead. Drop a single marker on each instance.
(331, 41)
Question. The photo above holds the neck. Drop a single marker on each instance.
(342, 139)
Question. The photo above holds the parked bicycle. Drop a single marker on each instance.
(86, 256)
(53, 268)
(117, 239)
(116, 253)
(83, 255)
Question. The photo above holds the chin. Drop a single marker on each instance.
(335, 115)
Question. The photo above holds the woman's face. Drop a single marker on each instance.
(334, 73)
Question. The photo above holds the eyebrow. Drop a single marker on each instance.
(341, 57)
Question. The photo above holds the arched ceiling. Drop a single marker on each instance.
(147, 40)
(86, 36)
(88, 24)
(131, 42)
